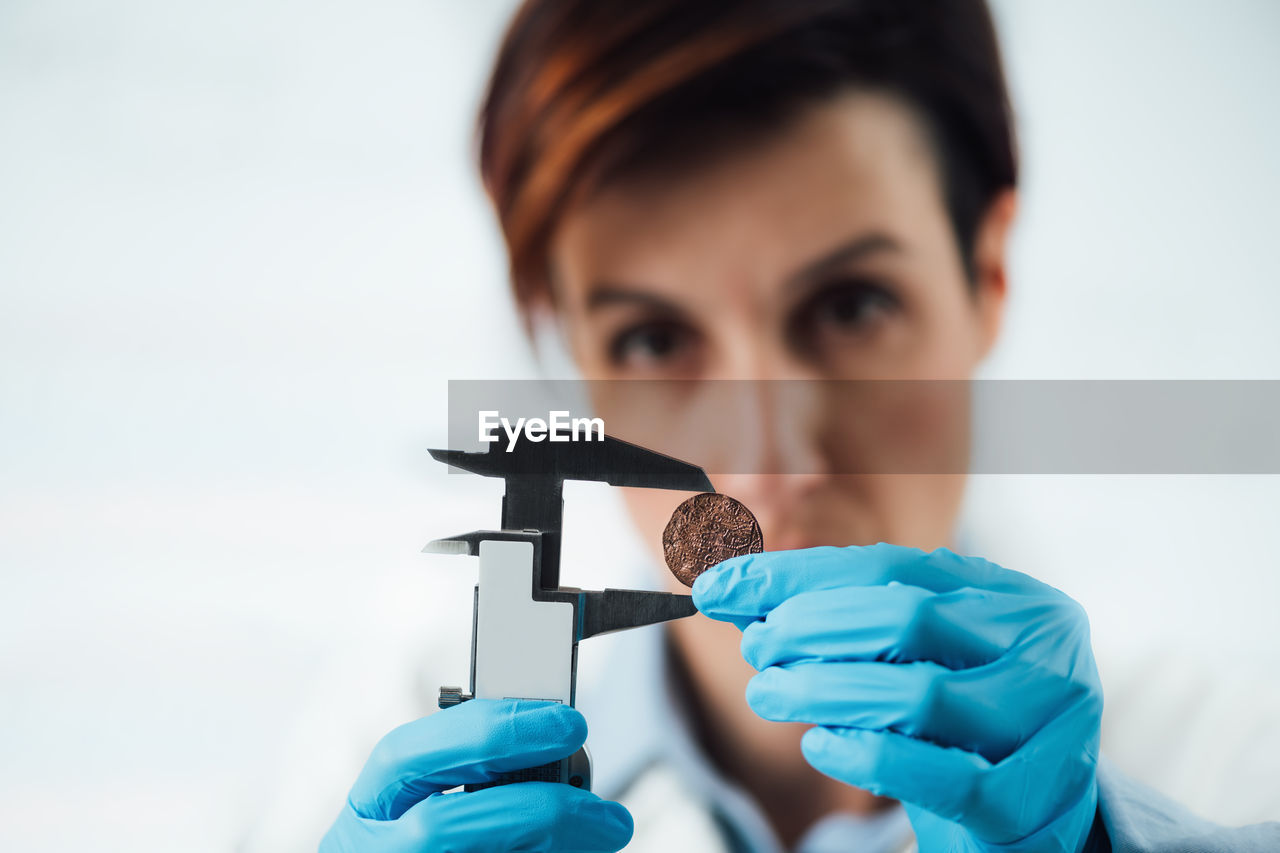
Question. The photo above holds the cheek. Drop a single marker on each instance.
(949, 331)
(901, 451)
(908, 426)
(650, 509)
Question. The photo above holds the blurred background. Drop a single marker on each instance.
(242, 249)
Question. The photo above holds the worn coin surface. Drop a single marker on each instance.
(706, 529)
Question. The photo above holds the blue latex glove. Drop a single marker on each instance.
(398, 804)
(965, 690)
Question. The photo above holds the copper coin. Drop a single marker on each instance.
(706, 529)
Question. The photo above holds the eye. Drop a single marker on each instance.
(851, 304)
(844, 308)
(650, 344)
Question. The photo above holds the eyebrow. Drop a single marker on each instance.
(855, 249)
(614, 294)
(606, 294)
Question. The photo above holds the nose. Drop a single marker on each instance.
(771, 457)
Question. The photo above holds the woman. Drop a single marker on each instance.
(803, 191)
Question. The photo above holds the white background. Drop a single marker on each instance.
(242, 247)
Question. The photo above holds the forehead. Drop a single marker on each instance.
(858, 162)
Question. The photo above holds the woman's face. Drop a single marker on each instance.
(822, 252)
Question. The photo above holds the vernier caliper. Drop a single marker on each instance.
(526, 627)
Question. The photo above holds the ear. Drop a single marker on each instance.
(991, 267)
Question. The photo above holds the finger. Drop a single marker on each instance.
(745, 588)
(961, 786)
(471, 742)
(897, 623)
(942, 780)
(969, 709)
(527, 816)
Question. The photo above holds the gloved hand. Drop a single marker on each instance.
(965, 690)
(398, 806)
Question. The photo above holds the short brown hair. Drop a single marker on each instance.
(584, 90)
